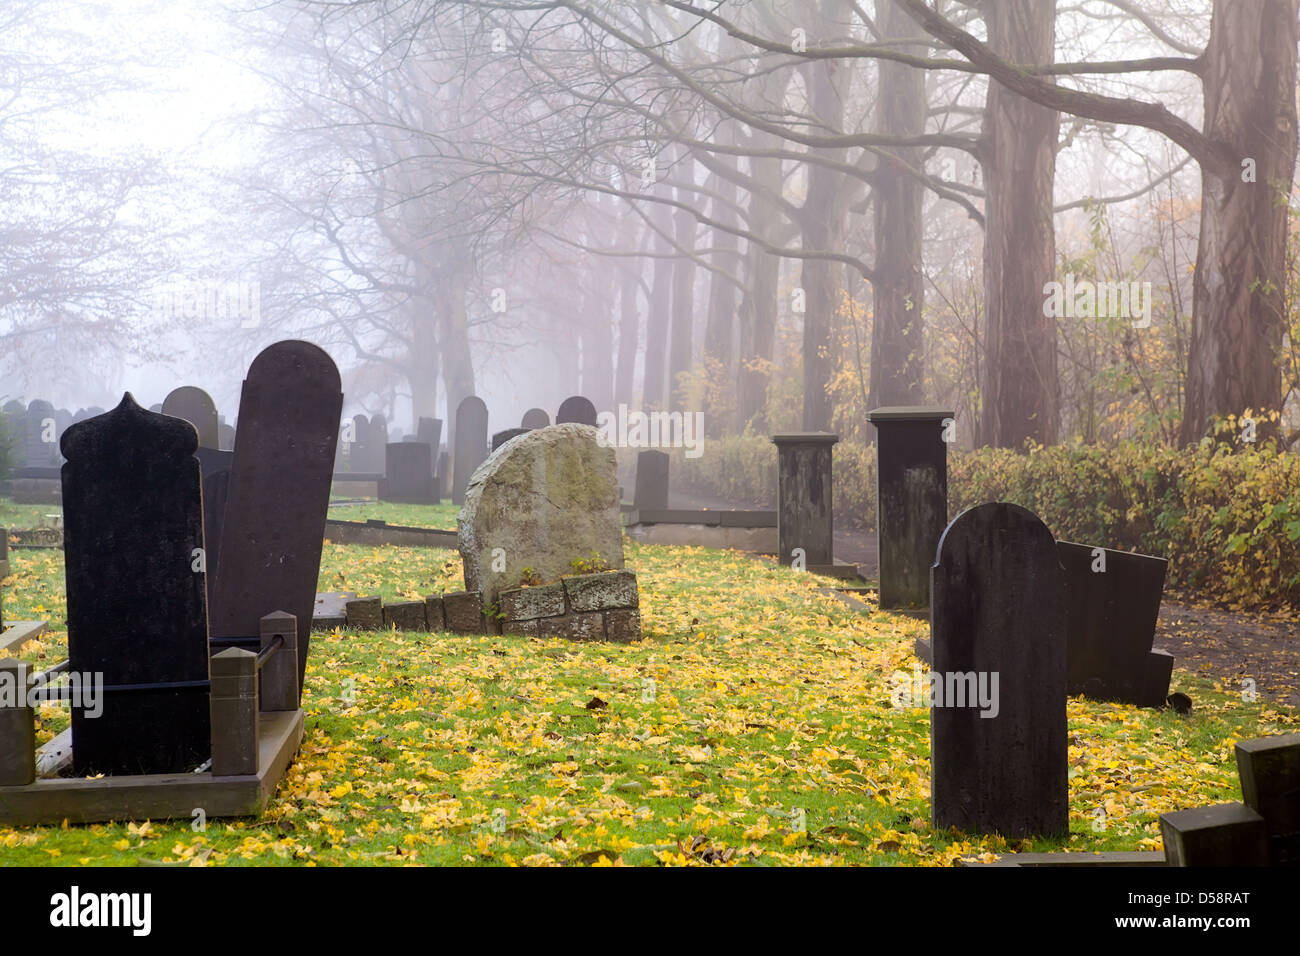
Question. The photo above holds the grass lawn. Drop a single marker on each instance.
(753, 724)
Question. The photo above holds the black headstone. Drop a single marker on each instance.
(215, 467)
(651, 492)
(535, 418)
(803, 498)
(1112, 604)
(408, 474)
(500, 438)
(576, 409)
(998, 764)
(471, 443)
(911, 500)
(132, 520)
(274, 530)
(196, 407)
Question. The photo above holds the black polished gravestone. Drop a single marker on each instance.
(651, 490)
(997, 613)
(196, 407)
(274, 530)
(911, 500)
(132, 524)
(1112, 604)
(408, 474)
(535, 418)
(576, 409)
(803, 499)
(500, 438)
(471, 440)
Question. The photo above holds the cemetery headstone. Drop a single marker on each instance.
(535, 418)
(408, 474)
(196, 407)
(359, 450)
(576, 409)
(471, 443)
(40, 438)
(544, 500)
(132, 521)
(651, 490)
(997, 719)
(375, 447)
(1113, 603)
(274, 530)
(803, 499)
(911, 499)
(500, 438)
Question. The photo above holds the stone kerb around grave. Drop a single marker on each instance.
(600, 606)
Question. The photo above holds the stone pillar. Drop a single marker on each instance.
(279, 685)
(651, 491)
(4, 570)
(911, 500)
(803, 498)
(17, 725)
(234, 712)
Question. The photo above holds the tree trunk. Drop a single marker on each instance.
(758, 307)
(897, 330)
(719, 346)
(1021, 389)
(1239, 288)
(683, 315)
(660, 309)
(629, 327)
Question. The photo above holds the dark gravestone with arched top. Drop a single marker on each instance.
(535, 418)
(132, 519)
(576, 409)
(196, 407)
(279, 493)
(471, 443)
(997, 612)
(40, 437)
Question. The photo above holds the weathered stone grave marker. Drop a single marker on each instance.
(651, 490)
(132, 523)
(535, 418)
(408, 474)
(997, 723)
(196, 407)
(471, 443)
(577, 409)
(803, 500)
(500, 438)
(274, 531)
(911, 500)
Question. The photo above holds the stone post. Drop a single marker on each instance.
(803, 499)
(911, 500)
(17, 725)
(279, 684)
(234, 712)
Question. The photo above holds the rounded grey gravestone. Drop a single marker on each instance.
(196, 407)
(535, 418)
(471, 443)
(576, 409)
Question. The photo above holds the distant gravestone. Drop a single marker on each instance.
(535, 418)
(196, 407)
(998, 762)
(132, 522)
(359, 448)
(651, 491)
(803, 500)
(500, 438)
(408, 474)
(376, 445)
(215, 466)
(429, 431)
(40, 438)
(544, 500)
(274, 530)
(576, 409)
(471, 443)
(1113, 603)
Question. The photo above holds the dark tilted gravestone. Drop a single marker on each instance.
(408, 474)
(803, 499)
(535, 418)
(576, 409)
(1113, 602)
(215, 467)
(500, 438)
(911, 500)
(998, 762)
(279, 495)
(651, 492)
(196, 407)
(132, 520)
(471, 443)
(377, 444)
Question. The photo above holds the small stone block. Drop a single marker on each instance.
(433, 613)
(525, 604)
(278, 689)
(234, 703)
(365, 614)
(623, 626)
(575, 627)
(17, 728)
(603, 591)
(1155, 679)
(1269, 768)
(463, 612)
(1226, 834)
(406, 616)
(521, 628)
